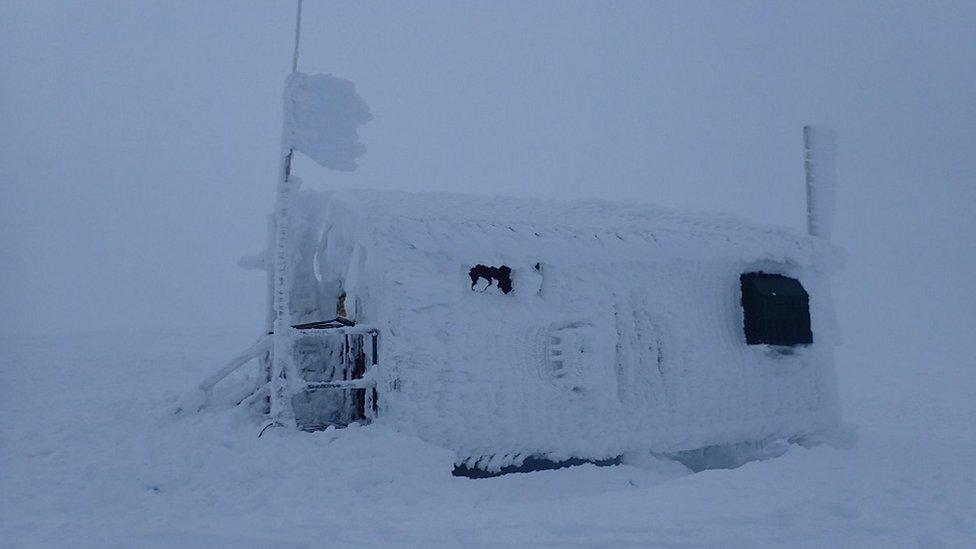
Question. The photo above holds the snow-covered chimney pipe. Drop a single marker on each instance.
(820, 149)
(298, 33)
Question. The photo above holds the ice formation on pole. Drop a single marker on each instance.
(322, 115)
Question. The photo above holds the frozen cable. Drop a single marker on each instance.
(270, 424)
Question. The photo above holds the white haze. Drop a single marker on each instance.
(139, 141)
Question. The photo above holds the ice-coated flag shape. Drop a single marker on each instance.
(321, 119)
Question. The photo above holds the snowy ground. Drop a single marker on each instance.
(90, 457)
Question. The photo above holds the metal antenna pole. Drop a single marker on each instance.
(284, 373)
(298, 32)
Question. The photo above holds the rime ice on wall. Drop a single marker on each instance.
(623, 329)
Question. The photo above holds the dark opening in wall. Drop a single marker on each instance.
(776, 309)
(501, 276)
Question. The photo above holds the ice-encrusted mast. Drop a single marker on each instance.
(321, 116)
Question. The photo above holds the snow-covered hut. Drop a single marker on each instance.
(505, 328)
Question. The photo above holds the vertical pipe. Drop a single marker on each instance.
(819, 147)
(298, 32)
(808, 173)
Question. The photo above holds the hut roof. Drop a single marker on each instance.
(464, 224)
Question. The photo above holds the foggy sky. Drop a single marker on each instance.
(139, 139)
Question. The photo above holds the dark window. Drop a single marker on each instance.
(500, 276)
(776, 309)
